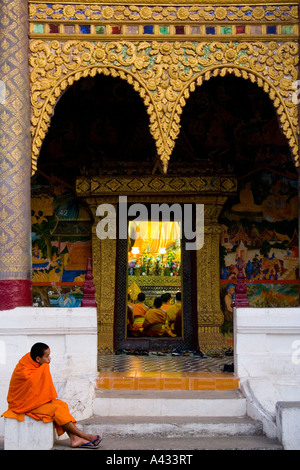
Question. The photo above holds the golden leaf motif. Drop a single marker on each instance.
(162, 73)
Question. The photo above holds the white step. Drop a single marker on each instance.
(167, 450)
(227, 403)
(170, 427)
(177, 433)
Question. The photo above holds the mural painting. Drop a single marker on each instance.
(261, 227)
(61, 246)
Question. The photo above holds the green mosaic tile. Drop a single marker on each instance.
(100, 29)
(225, 29)
(287, 29)
(164, 29)
(38, 28)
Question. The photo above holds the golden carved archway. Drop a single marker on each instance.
(164, 74)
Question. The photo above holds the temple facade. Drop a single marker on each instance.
(183, 115)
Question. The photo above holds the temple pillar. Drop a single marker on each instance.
(15, 157)
(209, 314)
(104, 273)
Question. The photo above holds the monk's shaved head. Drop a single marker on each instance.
(38, 350)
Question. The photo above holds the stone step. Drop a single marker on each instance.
(187, 444)
(226, 403)
(164, 420)
(170, 427)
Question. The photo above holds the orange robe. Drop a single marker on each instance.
(154, 323)
(32, 392)
(166, 306)
(139, 310)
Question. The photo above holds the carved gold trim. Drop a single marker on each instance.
(209, 314)
(15, 144)
(104, 268)
(164, 74)
(183, 2)
(162, 185)
(155, 12)
(150, 281)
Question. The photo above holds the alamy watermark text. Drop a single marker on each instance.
(189, 217)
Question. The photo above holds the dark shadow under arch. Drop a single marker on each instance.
(229, 125)
(100, 124)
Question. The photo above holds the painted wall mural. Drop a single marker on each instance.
(261, 226)
(61, 245)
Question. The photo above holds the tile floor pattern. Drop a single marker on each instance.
(167, 363)
(153, 372)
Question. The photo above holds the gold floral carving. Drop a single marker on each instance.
(270, 3)
(167, 13)
(164, 74)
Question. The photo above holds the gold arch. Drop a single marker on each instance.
(56, 92)
(164, 74)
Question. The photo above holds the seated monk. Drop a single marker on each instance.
(154, 322)
(177, 328)
(166, 304)
(32, 392)
(129, 312)
(174, 311)
(139, 312)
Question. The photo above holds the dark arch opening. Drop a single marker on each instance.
(100, 125)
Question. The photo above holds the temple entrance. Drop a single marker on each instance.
(230, 156)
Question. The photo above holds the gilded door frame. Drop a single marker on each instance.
(212, 192)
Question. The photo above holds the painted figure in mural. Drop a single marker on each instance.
(228, 300)
(227, 327)
(32, 392)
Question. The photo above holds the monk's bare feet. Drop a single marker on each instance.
(90, 441)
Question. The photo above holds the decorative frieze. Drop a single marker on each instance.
(151, 20)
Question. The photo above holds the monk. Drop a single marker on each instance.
(166, 304)
(139, 312)
(140, 309)
(174, 311)
(154, 322)
(32, 392)
(129, 312)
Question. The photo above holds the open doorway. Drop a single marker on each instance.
(156, 285)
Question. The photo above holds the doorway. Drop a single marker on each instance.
(151, 263)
